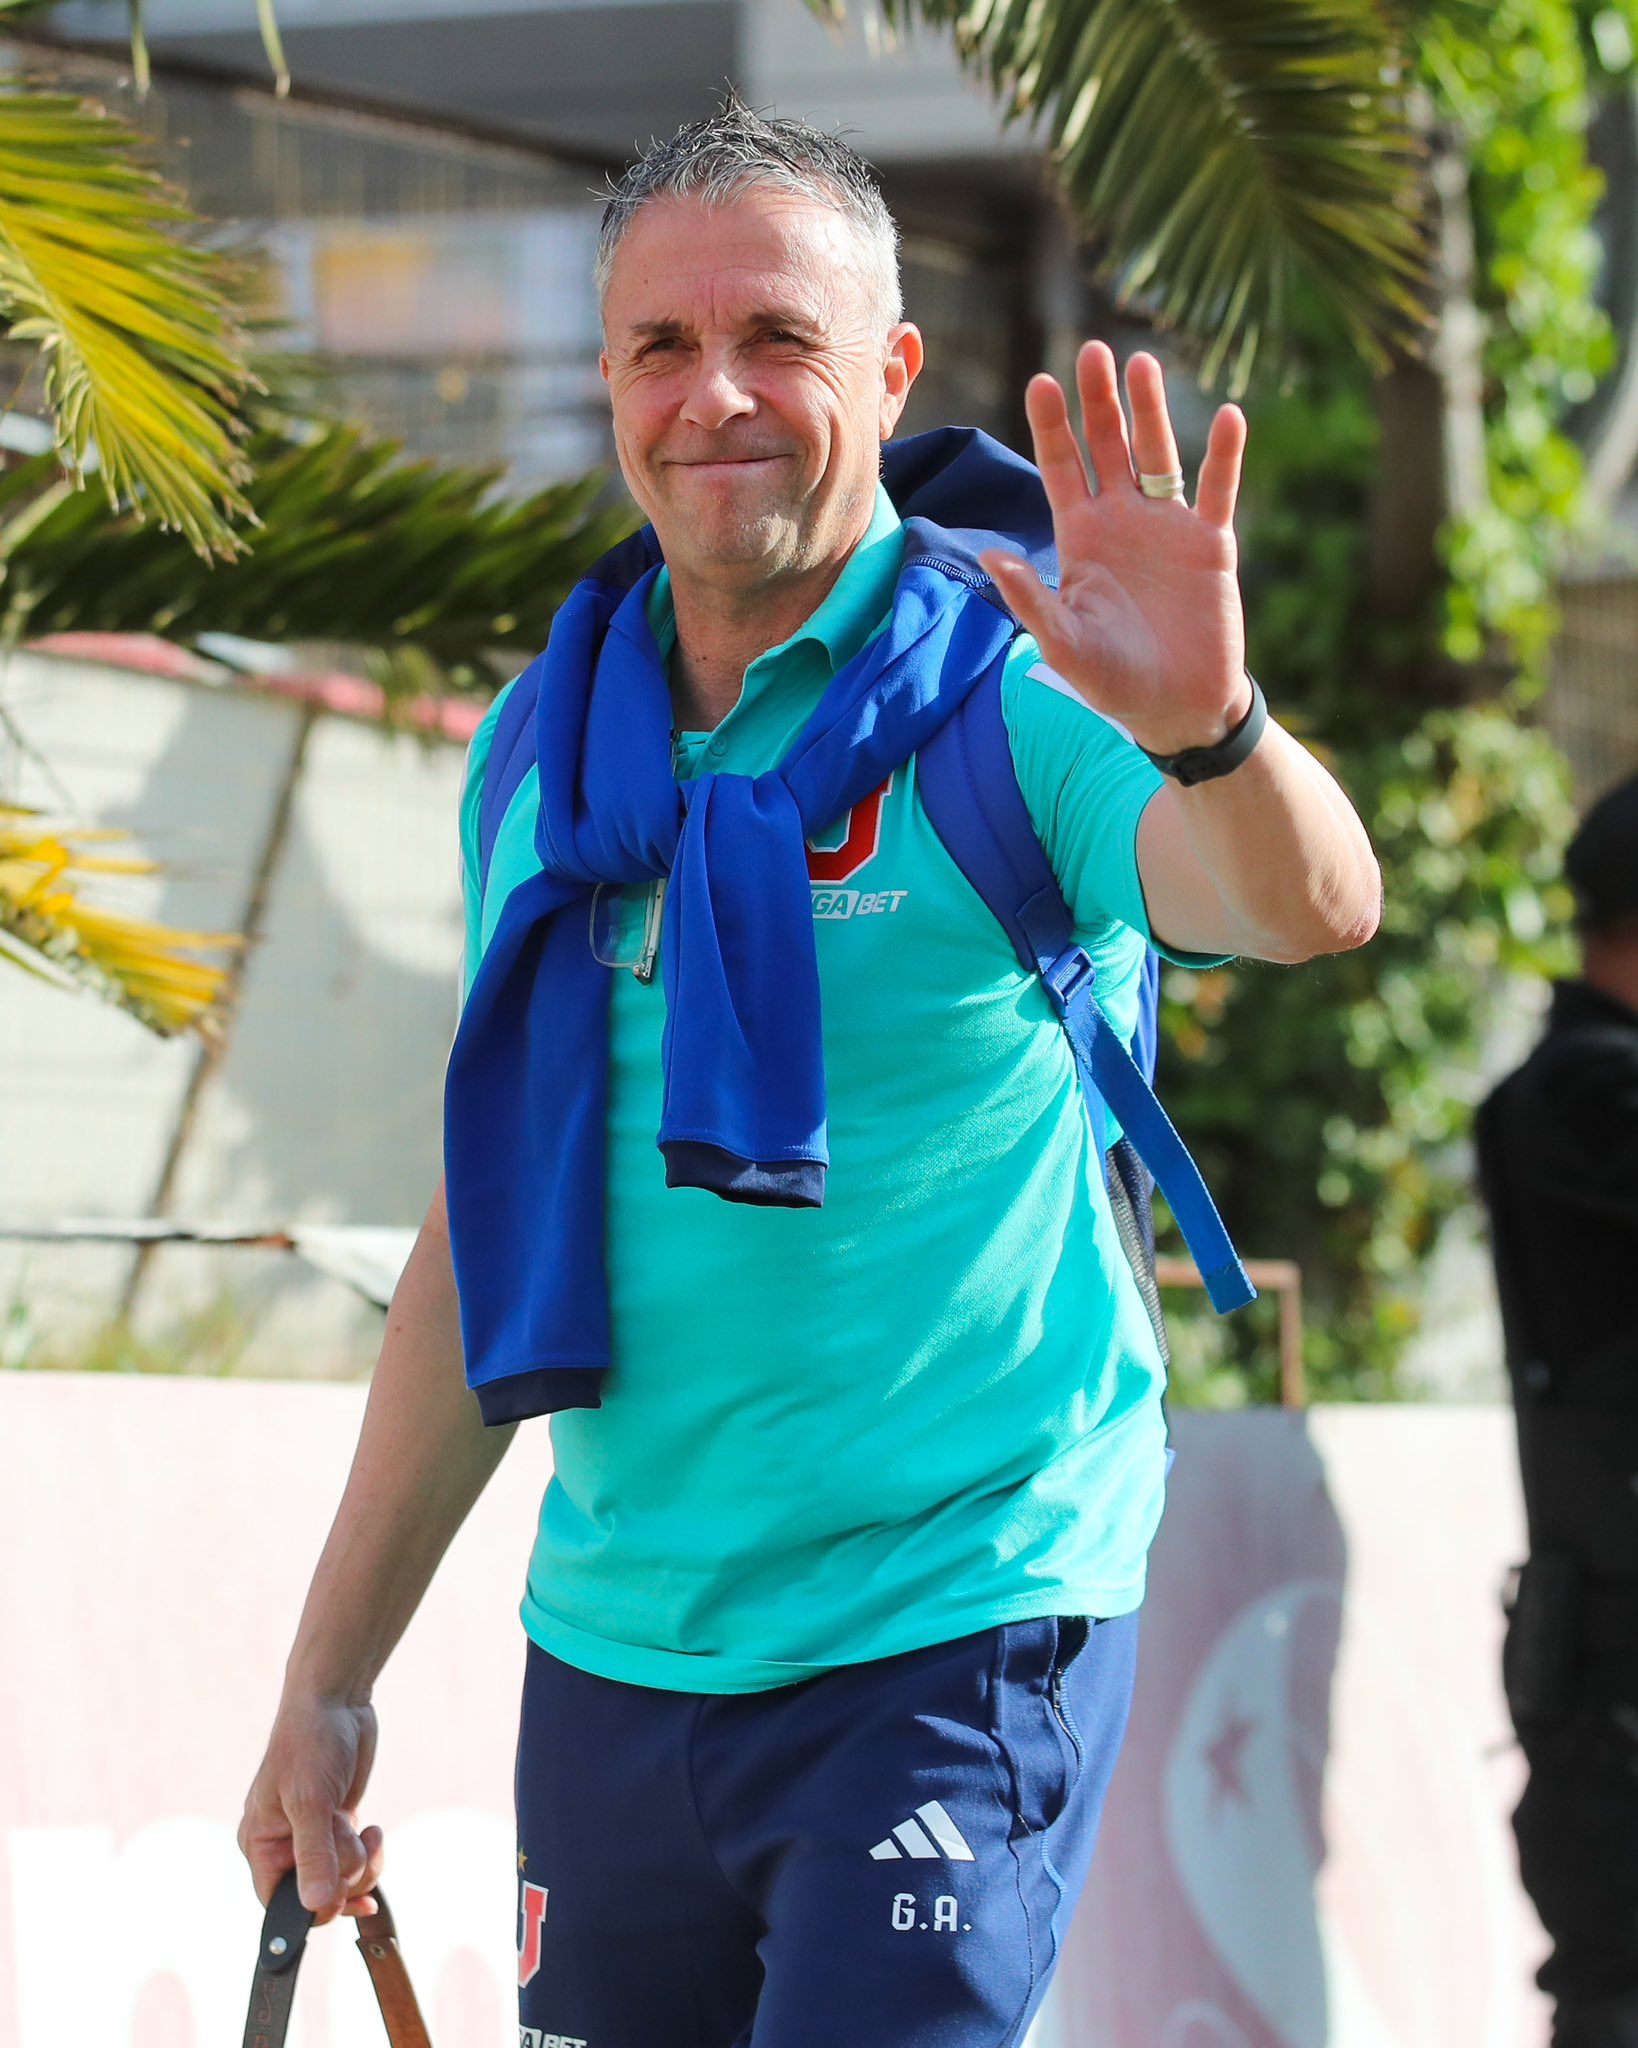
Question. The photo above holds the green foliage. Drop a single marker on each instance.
(1327, 1103)
(1218, 157)
(1330, 1104)
(209, 1341)
(144, 367)
(449, 583)
(1519, 93)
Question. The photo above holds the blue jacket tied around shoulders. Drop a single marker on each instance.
(744, 1084)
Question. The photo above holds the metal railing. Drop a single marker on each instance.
(1279, 1277)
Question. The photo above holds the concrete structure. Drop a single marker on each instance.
(445, 282)
(1305, 1845)
(599, 76)
(336, 840)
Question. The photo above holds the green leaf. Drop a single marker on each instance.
(52, 926)
(355, 544)
(1218, 154)
(143, 358)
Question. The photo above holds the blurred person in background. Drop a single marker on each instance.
(1558, 1164)
(832, 1611)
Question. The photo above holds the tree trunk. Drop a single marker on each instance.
(1430, 411)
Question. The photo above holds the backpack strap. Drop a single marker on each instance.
(969, 789)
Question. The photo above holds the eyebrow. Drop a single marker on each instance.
(762, 316)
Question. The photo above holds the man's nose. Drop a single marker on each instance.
(716, 395)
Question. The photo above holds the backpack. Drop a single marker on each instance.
(969, 790)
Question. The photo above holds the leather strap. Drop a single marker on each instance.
(278, 1961)
(378, 1945)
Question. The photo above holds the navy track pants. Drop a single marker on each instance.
(884, 1856)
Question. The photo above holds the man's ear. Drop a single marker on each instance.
(899, 371)
(603, 364)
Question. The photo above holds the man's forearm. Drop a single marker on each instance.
(423, 1458)
(1270, 861)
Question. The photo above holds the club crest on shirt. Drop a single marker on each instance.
(837, 855)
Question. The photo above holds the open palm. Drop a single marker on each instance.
(1146, 622)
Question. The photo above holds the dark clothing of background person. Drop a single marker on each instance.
(1558, 1162)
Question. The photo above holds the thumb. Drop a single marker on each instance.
(1027, 597)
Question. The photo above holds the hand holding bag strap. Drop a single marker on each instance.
(284, 1936)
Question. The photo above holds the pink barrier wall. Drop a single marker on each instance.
(1306, 1844)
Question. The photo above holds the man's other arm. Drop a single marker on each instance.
(1270, 861)
(423, 1458)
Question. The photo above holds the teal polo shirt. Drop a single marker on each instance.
(931, 1405)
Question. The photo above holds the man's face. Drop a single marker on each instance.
(751, 381)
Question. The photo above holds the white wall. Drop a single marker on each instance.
(1305, 1845)
(325, 1105)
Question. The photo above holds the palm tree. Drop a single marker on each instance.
(178, 500)
(1228, 156)
(1219, 159)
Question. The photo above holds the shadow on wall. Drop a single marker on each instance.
(325, 1105)
(1213, 1841)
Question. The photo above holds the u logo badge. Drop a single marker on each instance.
(532, 1911)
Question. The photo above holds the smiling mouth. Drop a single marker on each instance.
(729, 461)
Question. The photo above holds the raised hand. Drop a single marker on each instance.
(1146, 622)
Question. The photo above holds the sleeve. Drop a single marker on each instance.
(477, 760)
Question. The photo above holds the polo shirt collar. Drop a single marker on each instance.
(852, 610)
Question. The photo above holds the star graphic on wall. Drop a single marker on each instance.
(1224, 1757)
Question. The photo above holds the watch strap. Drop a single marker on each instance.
(1206, 764)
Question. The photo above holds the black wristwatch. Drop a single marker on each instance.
(1205, 764)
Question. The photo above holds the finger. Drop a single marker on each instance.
(362, 1902)
(1057, 451)
(1219, 487)
(351, 1855)
(1102, 419)
(1154, 446)
(318, 1869)
(269, 1858)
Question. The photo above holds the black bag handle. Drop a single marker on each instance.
(278, 1961)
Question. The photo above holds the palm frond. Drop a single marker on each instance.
(142, 352)
(273, 43)
(356, 545)
(47, 925)
(1217, 153)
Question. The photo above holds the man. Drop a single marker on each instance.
(1558, 1159)
(832, 1611)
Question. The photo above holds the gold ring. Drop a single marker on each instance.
(1161, 484)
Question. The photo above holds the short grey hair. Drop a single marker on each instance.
(719, 159)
